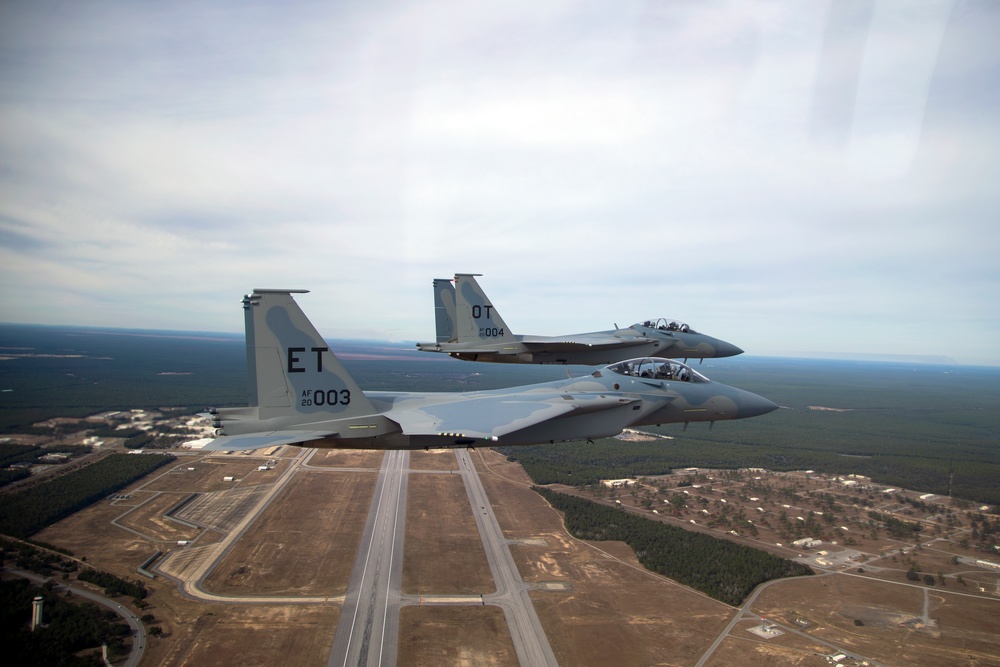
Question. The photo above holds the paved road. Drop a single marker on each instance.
(744, 613)
(526, 631)
(369, 625)
(138, 631)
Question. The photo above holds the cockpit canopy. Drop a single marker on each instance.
(667, 324)
(657, 368)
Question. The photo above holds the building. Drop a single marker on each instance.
(618, 483)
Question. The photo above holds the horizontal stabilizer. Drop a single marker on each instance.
(226, 443)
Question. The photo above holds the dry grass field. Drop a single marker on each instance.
(304, 543)
(91, 537)
(346, 458)
(614, 611)
(251, 636)
(962, 630)
(151, 520)
(444, 554)
(435, 459)
(745, 650)
(460, 636)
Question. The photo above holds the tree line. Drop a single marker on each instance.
(26, 512)
(114, 586)
(583, 463)
(724, 570)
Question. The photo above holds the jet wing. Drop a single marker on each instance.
(490, 418)
(259, 440)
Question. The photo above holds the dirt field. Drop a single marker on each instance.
(444, 554)
(459, 636)
(177, 478)
(150, 520)
(304, 543)
(89, 535)
(615, 612)
(208, 475)
(961, 629)
(743, 649)
(251, 636)
(347, 458)
(435, 459)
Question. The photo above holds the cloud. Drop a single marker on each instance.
(776, 176)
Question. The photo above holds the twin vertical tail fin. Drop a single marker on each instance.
(291, 370)
(478, 321)
(444, 310)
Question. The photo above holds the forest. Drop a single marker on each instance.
(934, 428)
(25, 512)
(72, 632)
(722, 569)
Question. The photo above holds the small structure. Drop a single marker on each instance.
(766, 631)
(36, 611)
(618, 483)
(228, 478)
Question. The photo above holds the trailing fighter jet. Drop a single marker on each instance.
(469, 327)
(301, 394)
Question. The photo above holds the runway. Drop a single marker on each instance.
(368, 631)
(369, 625)
(526, 631)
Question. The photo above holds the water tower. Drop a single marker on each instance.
(36, 611)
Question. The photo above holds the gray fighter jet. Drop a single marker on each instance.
(469, 327)
(301, 394)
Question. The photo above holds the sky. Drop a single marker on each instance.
(797, 178)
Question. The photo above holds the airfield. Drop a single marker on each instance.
(327, 557)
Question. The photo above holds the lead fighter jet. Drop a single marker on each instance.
(469, 327)
(300, 394)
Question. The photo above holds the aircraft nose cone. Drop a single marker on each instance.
(752, 405)
(724, 349)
